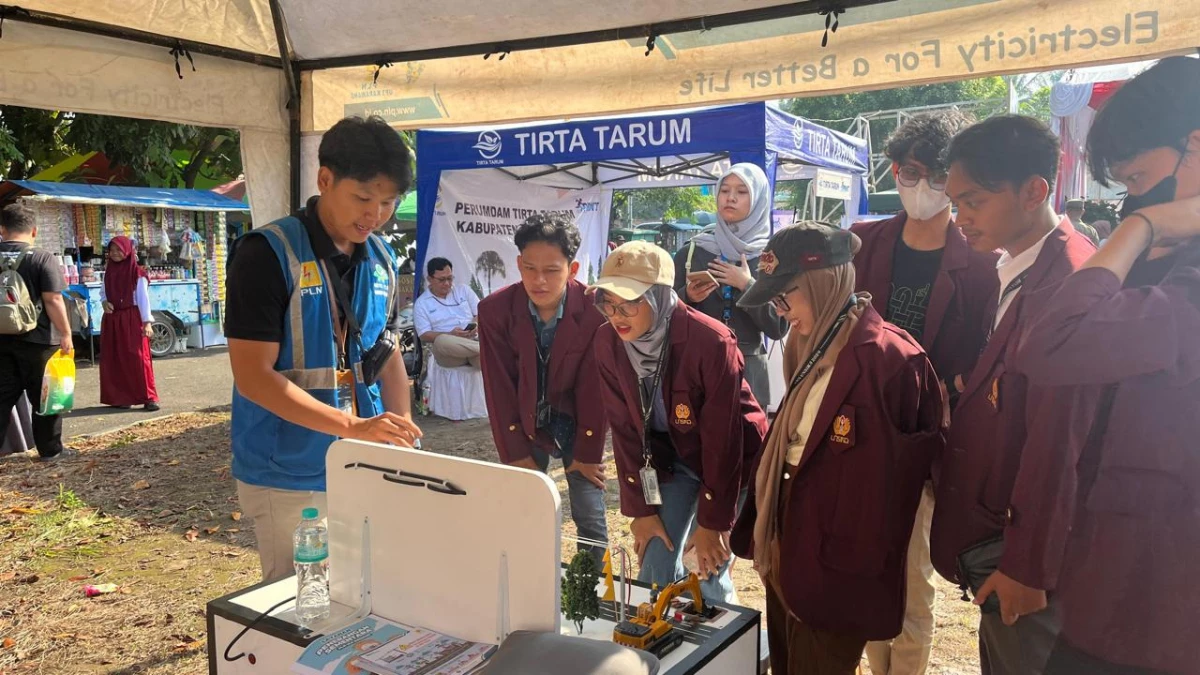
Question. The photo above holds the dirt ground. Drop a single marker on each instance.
(153, 510)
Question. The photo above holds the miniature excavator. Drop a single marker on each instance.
(649, 630)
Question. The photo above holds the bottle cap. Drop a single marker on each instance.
(309, 514)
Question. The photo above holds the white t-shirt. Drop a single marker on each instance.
(442, 315)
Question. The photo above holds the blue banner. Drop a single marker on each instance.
(797, 139)
(723, 129)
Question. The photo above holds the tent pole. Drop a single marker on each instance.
(292, 75)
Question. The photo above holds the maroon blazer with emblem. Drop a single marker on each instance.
(1115, 528)
(963, 295)
(509, 360)
(995, 414)
(715, 425)
(851, 505)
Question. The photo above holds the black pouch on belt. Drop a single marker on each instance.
(375, 358)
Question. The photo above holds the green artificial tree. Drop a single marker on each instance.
(579, 599)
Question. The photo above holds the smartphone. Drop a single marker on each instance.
(470, 326)
(703, 276)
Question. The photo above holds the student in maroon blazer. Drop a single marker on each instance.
(843, 467)
(924, 277)
(539, 370)
(1109, 519)
(694, 435)
(1002, 174)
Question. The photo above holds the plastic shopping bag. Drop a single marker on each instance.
(58, 385)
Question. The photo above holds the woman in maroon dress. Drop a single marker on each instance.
(126, 374)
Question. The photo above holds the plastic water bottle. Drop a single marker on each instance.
(310, 547)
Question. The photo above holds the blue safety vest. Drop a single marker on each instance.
(267, 450)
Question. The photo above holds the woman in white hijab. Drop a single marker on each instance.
(685, 426)
(730, 255)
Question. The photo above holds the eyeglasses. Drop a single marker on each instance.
(443, 280)
(780, 302)
(626, 309)
(909, 176)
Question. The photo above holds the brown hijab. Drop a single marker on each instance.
(829, 290)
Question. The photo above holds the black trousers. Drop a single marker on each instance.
(22, 365)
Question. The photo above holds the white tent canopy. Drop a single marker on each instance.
(421, 65)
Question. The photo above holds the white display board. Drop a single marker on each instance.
(477, 215)
(443, 561)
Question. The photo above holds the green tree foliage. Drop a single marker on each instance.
(658, 204)
(579, 599)
(158, 154)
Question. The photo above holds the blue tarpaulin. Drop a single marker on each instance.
(114, 195)
(674, 147)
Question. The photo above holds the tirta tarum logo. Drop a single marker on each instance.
(488, 145)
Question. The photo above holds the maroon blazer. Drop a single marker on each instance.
(715, 425)
(1115, 527)
(850, 511)
(963, 296)
(996, 409)
(509, 360)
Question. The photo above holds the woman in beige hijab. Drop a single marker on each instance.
(837, 485)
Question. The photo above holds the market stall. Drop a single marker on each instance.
(181, 240)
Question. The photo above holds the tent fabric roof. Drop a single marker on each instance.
(165, 198)
(332, 29)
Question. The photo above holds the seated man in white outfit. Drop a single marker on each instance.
(445, 317)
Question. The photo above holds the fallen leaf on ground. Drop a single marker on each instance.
(141, 485)
(8, 576)
(8, 643)
(31, 579)
(212, 530)
(191, 535)
(232, 530)
(236, 515)
(24, 511)
(173, 462)
(80, 577)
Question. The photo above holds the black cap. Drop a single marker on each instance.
(802, 247)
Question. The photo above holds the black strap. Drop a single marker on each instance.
(822, 347)
(647, 401)
(1012, 287)
(343, 302)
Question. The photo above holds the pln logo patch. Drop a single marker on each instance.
(381, 276)
(310, 275)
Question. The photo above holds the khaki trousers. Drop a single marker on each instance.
(452, 351)
(275, 514)
(908, 653)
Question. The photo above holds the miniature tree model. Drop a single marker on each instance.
(579, 599)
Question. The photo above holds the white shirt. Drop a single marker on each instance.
(141, 298)
(1009, 268)
(442, 315)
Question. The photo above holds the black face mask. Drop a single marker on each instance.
(1161, 193)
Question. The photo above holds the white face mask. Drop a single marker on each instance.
(922, 202)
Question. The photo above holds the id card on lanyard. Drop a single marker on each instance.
(647, 474)
(345, 375)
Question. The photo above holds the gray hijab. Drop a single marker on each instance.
(645, 351)
(747, 237)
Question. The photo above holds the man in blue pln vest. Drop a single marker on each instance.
(311, 307)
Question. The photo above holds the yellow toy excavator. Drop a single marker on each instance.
(649, 630)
